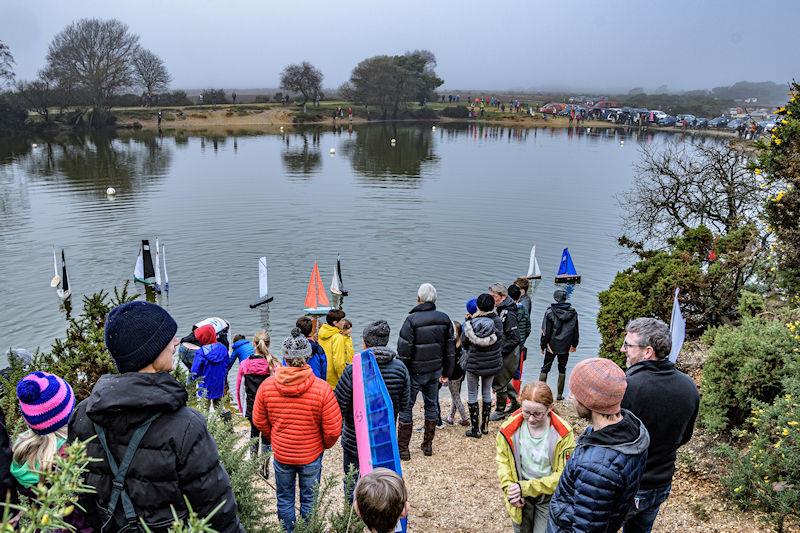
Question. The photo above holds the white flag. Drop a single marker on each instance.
(677, 326)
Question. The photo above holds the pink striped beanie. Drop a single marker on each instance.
(46, 402)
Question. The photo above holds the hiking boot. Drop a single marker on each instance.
(427, 439)
(464, 423)
(561, 379)
(474, 431)
(499, 414)
(487, 410)
(403, 438)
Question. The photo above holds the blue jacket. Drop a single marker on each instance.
(210, 364)
(241, 350)
(318, 361)
(601, 478)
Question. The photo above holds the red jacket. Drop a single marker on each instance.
(298, 413)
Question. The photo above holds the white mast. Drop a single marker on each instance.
(166, 276)
(56, 278)
(158, 268)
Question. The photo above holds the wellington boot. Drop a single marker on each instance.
(474, 431)
(561, 379)
(427, 438)
(543, 377)
(487, 410)
(403, 438)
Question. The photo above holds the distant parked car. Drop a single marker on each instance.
(667, 121)
(719, 122)
(701, 123)
(685, 120)
(735, 123)
(659, 114)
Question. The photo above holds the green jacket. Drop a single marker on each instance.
(27, 476)
(524, 323)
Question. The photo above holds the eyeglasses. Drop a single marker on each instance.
(625, 345)
(534, 414)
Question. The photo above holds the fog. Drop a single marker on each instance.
(534, 44)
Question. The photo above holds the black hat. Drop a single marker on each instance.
(376, 334)
(485, 302)
(136, 333)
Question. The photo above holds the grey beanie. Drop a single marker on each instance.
(560, 296)
(376, 334)
(296, 346)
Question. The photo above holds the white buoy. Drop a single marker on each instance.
(622, 143)
(433, 128)
(111, 191)
(333, 151)
(34, 145)
(393, 141)
(281, 128)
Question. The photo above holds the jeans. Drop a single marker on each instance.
(428, 385)
(645, 509)
(472, 388)
(548, 362)
(285, 475)
(534, 515)
(349, 460)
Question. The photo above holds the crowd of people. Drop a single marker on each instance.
(153, 453)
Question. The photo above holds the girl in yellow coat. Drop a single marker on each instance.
(533, 446)
(338, 347)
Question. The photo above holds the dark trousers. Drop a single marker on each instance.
(428, 385)
(645, 509)
(265, 446)
(349, 460)
(548, 362)
(502, 380)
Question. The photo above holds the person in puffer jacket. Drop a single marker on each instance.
(253, 371)
(482, 341)
(599, 484)
(298, 414)
(210, 366)
(398, 383)
(240, 351)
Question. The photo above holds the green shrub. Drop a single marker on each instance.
(750, 304)
(745, 365)
(766, 476)
(459, 111)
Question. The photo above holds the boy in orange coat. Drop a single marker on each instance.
(299, 415)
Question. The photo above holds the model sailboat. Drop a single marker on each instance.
(157, 285)
(263, 284)
(317, 302)
(533, 266)
(566, 270)
(147, 270)
(56, 278)
(63, 290)
(337, 286)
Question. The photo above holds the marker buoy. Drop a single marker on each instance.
(433, 128)
(332, 151)
(393, 141)
(281, 128)
(34, 145)
(111, 191)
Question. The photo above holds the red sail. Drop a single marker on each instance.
(315, 294)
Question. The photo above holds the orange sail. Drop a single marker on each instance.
(315, 294)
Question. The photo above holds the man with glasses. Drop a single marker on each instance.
(666, 400)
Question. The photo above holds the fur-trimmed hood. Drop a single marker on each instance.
(480, 331)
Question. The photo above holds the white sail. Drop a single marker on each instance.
(166, 276)
(158, 267)
(533, 265)
(56, 278)
(336, 287)
(677, 326)
(138, 270)
(263, 282)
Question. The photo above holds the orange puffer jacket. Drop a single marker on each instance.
(298, 413)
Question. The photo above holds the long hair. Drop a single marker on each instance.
(261, 344)
(37, 451)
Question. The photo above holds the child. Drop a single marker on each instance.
(318, 361)
(210, 364)
(381, 500)
(253, 371)
(338, 347)
(455, 382)
(46, 402)
(242, 349)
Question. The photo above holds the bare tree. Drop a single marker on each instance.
(97, 55)
(681, 187)
(6, 65)
(150, 72)
(303, 78)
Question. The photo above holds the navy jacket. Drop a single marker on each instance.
(318, 360)
(601, 478)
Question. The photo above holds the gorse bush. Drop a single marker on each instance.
(745, 365)
(766, 476)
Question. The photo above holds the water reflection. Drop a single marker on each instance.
(305, 159)
(373, 155)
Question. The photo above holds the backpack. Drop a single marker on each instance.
(118, 493)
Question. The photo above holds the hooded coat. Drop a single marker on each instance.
(318, 360)
(398, 383)
(298, 414)
(177, 456)
(559, 328)
(252, 373)
(507, 311)
(240, 351)
(338, 351)
(601, 478)
(482, 339)
(211, 364)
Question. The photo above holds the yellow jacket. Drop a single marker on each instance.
(338, 351)
(562, 443)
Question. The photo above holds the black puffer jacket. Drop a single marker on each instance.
(507, 311)
(8, 487)
(482, 339)
(398, 383)
(176, 457)
(559, 328)
(427, 341)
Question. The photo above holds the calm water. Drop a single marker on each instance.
(458, 207)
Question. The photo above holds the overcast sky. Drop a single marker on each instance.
(605, 44)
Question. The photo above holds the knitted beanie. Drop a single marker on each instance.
(136, 333)
(296, 346)
(598, 384)
(485, 302)
(46, 402)
(560, 296)
(376, 334)
(472, 306)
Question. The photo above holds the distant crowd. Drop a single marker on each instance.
(152, 453)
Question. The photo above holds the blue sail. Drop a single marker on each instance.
(567, 267)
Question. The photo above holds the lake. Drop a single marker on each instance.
(459, 206)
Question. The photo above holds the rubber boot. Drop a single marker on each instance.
(403, 438)
(474, 431)
(487, 410)
(561, 379)
(500, 406)
(543, 377)
(427, 438)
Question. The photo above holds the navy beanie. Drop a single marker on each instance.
(136, 333)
